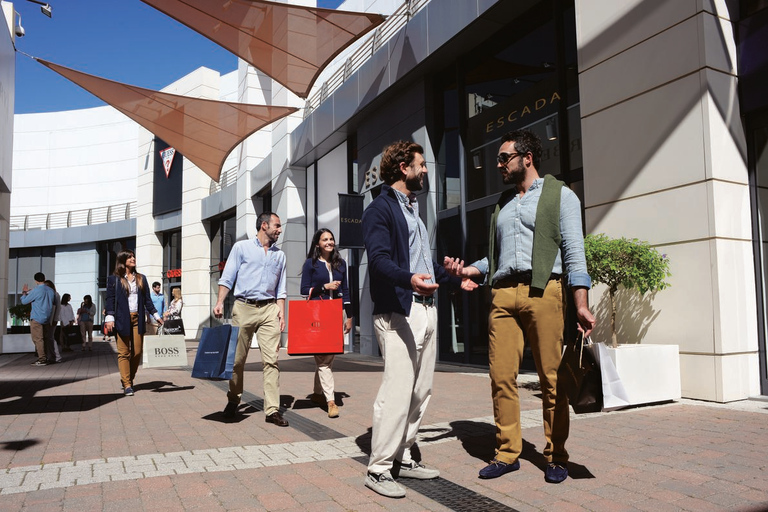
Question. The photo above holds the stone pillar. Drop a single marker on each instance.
(665, 161)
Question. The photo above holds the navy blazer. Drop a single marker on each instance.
(117, 305)
(315, 274)
(385, 234)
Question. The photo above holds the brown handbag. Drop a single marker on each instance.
(579, 375)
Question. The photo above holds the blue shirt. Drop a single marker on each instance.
(158, 299)
(253, 273)
(41, 297)
(514, 236)
(418, 241)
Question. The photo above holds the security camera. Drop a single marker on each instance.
(18, 30)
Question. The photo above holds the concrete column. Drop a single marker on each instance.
(665, 161)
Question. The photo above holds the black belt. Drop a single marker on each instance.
(257, 303)
(427, 301)
(521, 278)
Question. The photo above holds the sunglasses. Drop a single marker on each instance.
(503, 158)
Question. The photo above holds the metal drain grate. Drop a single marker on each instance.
(454, 496)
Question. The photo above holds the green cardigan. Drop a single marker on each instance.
(546, 235)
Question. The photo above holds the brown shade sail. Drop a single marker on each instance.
(290, 43)
(204, 131)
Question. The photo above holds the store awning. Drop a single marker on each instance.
(290, 43)
(204, 131)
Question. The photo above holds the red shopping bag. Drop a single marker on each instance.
(315, 327)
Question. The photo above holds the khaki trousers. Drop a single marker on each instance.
(408, 347)
(37, 332)
(86, 330)
(128, 351)
(324, 376)
(517, 315)
(264, 322)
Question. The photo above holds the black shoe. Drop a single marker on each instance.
(39, 363)
(556, 472)
(230, 410)
(277, 419)
(496, 468)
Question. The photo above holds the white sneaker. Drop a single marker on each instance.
(385, 485)
(417, 471)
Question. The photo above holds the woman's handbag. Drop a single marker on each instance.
(315, 327)
(215, 357)
(579, 376)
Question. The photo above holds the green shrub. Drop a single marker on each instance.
(633, 264)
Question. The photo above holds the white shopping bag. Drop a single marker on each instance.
(614, 394)
(164, 351)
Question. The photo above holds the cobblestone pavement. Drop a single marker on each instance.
(70, 440)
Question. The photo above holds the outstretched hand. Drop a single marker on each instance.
(420, 286)
(468, 285)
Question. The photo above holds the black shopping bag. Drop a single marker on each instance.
(173, 326)
(579, 376)
(215, 357)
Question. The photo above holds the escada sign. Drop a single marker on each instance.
(519, 113)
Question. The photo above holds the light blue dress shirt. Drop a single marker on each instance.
(41, 297)
(254, 274)
(514, 236)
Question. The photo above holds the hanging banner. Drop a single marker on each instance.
(351, 221)
(167, 155)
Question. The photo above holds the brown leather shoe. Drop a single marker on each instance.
(333, 410)
(277, 419)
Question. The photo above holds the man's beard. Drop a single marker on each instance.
(413, 184)
(514, 176)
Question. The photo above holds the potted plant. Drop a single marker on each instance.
(20, 313)
(635, 271)
(632, 264)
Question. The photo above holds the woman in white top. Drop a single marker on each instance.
(67, 319)
(128, 301)
(174, 308)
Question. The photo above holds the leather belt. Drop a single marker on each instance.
(421, 299)
(521, 278)
(257, 303)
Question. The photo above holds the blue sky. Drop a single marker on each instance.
(122, 40)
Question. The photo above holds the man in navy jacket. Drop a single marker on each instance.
(403, 279)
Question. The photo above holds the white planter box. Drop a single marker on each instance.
(649, 373)
(17, 344)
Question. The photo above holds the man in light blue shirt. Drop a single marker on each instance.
(256, 270)
(158, 300)
(41, 297)
(535, 241)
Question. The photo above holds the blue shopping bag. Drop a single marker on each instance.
(216, 353)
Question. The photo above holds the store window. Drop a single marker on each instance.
(224, 236)
(524, 76)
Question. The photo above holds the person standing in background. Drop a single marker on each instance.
(41, 297)
(67, 319)
(85, 315)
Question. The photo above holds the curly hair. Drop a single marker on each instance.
(398, 152)
(525, 142)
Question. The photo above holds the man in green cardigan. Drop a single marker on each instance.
(536, 251)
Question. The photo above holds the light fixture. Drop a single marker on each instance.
(44, 7)
(551, 129)
(18, 29)
(477, 161)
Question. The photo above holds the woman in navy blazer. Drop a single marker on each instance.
(128, 301)
(324, 275)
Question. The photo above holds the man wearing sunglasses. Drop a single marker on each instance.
(535, 241)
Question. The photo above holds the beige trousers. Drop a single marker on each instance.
(516, 316)
(264, 322)
(408, 347)
(324, 376)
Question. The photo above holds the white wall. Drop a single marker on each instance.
(86, 158)
(665, 161)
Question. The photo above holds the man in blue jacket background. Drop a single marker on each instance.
(41, 298)
(403, 280)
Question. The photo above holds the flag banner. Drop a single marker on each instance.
(351, 221)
